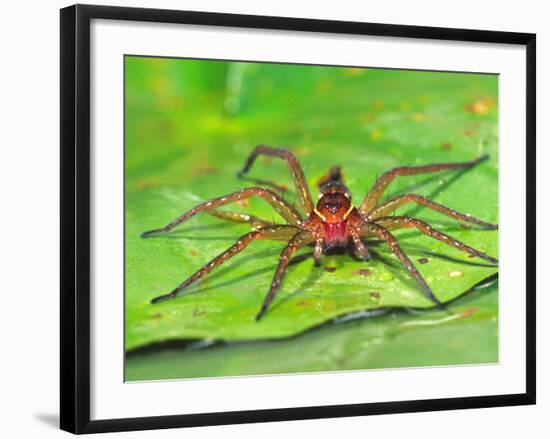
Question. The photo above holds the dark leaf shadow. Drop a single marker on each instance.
(250, 274)
(183, 233)
(281, 189)
(455, 175)
(341, 320)
(439, 176)
(417, 251)
(314, 274)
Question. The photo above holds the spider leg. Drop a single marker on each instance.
(391, 205)
(302, 189)
(318, 252)
(379, 231)
(298, 241)
(281, 206)
(373, 196)
(239, 217)
(361, 247)
(401, 222)
(269, 232)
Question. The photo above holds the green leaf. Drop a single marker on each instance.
(187, 135)
(465, 333)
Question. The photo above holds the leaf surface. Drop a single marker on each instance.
(467, 332)
(187, 134)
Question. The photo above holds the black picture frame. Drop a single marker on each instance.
(75, 217)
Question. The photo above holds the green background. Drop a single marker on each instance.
(189, 126)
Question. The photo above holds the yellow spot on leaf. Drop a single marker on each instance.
(419, 117)
(375, 134)
(354, 71)
(385, 276)
(480, 106)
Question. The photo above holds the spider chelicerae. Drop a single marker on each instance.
(331, 222)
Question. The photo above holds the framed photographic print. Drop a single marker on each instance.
(268, 218)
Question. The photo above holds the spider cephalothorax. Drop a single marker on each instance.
(333, 222)
(334, 211)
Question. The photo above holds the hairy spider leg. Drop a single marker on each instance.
(318, 252)
(379, 231)
(373, 196)
(239, 217)
(402, 222)
(281, 206)
(393, 204)
(302, 189)
(361, 247)
(298, 241)
(269, 232)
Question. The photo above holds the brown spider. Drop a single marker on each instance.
(332, 222)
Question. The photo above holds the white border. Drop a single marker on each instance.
(111, 398)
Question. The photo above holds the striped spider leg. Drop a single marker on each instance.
(298, 241)
(402, 222)
(375, 193)
(275, 232)
(302, 189)
(266, 230)
(379, 222)
(393, 204)
(281, 206)
(381, 227)
(374, 229)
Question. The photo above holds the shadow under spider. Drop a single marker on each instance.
(395, 266)
(316, 272)
(183, 233)
(311, 278)
(416, 250)
(412, 188)
(282, 189)
(251, 257)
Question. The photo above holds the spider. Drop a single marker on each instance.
(331, 222)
